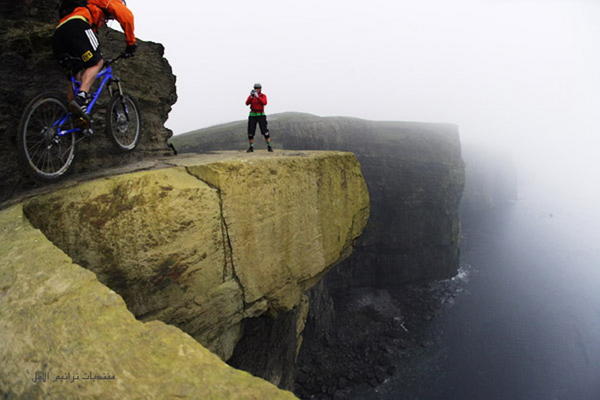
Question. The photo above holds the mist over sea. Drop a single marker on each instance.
(526, 325)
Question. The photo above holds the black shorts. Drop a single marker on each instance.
(75, 45)
(261, 120)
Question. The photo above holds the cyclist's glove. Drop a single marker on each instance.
(130, 50)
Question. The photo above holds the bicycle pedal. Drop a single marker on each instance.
(88, 132)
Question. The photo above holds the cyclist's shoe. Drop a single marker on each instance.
(88, 132)
(270, 149)
(79, 104)
(250, 149)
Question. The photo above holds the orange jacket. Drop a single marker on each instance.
(97, 11)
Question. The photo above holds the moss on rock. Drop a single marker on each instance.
(58, 319)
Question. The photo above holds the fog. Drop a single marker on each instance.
(520, 76)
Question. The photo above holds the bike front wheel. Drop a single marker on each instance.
(43, 153)
(124, 122)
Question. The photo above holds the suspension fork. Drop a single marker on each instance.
(111, 90)
(120, 91)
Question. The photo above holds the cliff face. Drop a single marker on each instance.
(356, 333)
(415, 176)
(214, 246)
(28, 68)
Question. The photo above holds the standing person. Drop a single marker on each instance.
(257, 102)
(77, 47)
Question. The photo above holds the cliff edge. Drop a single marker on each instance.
(119, 275)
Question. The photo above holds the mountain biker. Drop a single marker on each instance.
(76, 45)
(257, 102)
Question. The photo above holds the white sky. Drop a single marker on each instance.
(523, 75)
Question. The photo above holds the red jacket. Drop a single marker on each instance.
(257, 104)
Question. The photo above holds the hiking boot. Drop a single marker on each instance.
(250, 149)
(78, 106)
(270, 149)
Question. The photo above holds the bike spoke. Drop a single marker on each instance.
(46, 160)
(50, 161)
(44, 157)
(36, 155)
(36, 145)
(42, 161)
(59, 152)
(46, 116)
(65, 153)
(39, 152)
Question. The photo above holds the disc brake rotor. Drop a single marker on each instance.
(122, 122)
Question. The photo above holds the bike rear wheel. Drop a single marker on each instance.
(43, 154)
(124, 122)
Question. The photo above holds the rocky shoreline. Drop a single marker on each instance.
(377, 334)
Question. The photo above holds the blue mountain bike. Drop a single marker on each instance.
(48, 132)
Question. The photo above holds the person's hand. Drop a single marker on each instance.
(130, 50)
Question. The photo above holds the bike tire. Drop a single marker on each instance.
(124, 122)
(34, 141)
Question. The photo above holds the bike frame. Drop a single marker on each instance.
(106, 75)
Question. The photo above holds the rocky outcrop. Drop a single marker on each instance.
(209, 245)
(415, 176)
(28, 69)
